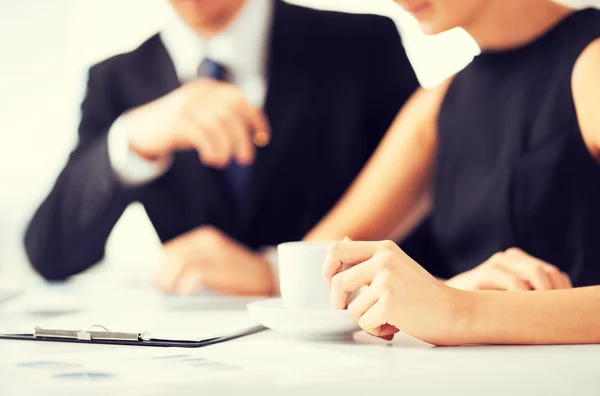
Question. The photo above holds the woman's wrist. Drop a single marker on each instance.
(485, 319)
(465, 317)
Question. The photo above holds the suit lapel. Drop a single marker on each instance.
(158, 72)
(289, 93)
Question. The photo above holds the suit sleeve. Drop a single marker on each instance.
(68, 232)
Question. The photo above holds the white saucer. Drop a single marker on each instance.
(313, 324)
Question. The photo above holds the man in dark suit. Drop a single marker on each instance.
(237, 128)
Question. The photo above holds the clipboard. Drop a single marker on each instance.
(101, 335)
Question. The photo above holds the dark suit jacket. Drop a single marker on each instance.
(335, 83)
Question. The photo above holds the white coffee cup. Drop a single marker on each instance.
(301, 280)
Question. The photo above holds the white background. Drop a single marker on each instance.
(47, 47)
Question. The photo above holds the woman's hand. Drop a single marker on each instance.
(400, 294)
(512, 270)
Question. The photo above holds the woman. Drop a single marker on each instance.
(509, 148)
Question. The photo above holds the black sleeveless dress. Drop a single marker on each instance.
(512, 167)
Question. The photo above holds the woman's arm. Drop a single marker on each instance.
(586, 95)
(545, 317)
(390, 195)
(401, 295)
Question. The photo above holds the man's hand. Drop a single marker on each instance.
(207, 258)
(512, 270)
(213, 118)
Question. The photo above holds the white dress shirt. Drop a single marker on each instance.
(242, 48)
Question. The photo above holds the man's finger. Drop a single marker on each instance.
(239, 137)
(206, 143)
(213, 129)
(187, 285)
(209, 126)
(169, 271)
(260, 127)
(244, 149)
(257, 121)
(188, 137)
(160, 280)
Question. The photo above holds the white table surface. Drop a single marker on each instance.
(405, 366)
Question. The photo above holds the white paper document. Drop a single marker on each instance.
(118, 366)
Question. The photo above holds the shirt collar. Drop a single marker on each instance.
(242, 47)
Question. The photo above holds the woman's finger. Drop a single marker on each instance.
(374, 321)
(559, 279)
(352, 279)
(556, 278)
(565, 281)
(530, 271)
(516, 252)
(349, 253)
(502, 278)
(387, 332)
(364, 301)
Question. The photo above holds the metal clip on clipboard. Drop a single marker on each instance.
(94, 333)
(101, 335)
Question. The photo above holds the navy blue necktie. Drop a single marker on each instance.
(236, 176)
